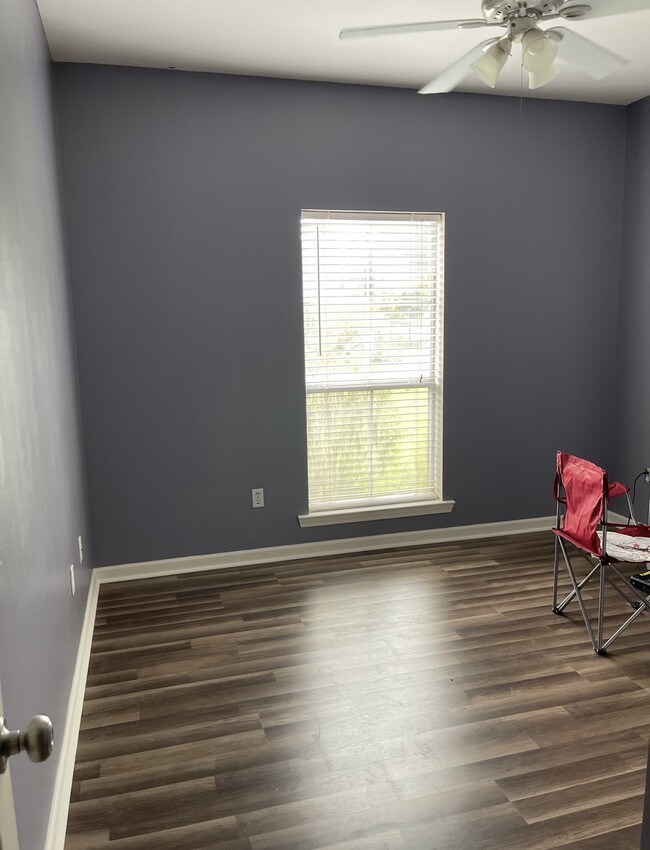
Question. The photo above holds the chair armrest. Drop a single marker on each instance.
(616, 489)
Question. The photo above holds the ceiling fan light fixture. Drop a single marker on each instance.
(537, 79)
(539, 51)
(490, 65)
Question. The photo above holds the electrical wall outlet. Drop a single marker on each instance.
(258, 497)
(647, 475)
(81, 549)
(72, 584)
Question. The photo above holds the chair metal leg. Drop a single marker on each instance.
(620, 631)
(581, 584)
(556, 553)
(601, 606)
(643, 605)
(643, 599)
(556, 565)
(578, 594)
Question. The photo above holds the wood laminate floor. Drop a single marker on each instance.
(414, 699)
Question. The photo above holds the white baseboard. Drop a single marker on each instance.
(63, 785)
(619, 519)
(247, 557)
(299, 551)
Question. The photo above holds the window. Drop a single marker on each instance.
(373, 314)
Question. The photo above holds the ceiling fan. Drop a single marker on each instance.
(540, 47)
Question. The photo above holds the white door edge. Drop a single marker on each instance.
(8, 830)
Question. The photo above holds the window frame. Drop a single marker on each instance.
(391, 505)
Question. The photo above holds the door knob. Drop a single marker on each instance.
(37, 740)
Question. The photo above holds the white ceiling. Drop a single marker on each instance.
(299, 39)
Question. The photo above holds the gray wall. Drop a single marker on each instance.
(631, 438)
(41, 494)
(183, 194)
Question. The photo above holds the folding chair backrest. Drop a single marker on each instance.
(585, 492)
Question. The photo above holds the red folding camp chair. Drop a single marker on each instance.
(583, 494)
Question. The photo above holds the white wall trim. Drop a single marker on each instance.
(270, 554)
(247, 557)
(372, 512)
(63, 784)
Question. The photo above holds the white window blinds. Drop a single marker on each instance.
(373, 312)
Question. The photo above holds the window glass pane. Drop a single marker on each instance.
(369, 444)
(373, 313)
(370, 301)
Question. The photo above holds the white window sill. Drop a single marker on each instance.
(345, 515)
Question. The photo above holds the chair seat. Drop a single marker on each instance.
(624, 547)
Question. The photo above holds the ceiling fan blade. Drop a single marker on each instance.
(424, 26)
(603, 8)
(585, 55)
(456, 73)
